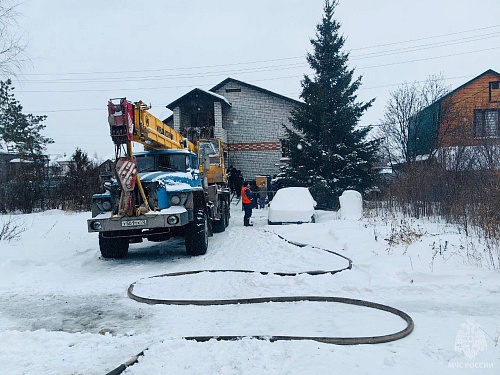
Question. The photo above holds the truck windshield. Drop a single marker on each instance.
(145, 163)
(210, 148)
(173, 162)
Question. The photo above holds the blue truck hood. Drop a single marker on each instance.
(172, 181)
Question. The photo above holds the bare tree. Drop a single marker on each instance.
(12, 45)
(401, 129)
(11, 228)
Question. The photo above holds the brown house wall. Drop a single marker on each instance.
(457, 112)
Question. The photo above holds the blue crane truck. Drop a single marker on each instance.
(162, 192)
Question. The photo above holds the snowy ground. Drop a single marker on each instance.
(64, 310)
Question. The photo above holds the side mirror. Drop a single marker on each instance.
(107, 185)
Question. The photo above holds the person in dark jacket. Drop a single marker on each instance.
(232, 178)
(262, 194)
(247, 201)
(238, 183)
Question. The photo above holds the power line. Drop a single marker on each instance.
(431, 58)
(175, 76)
(260, 61)
(430, 37)
(103, 108)
(262, 68)
(427, 46)
(265, 79)
(397, 84)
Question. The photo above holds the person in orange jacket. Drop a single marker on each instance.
(247, 201)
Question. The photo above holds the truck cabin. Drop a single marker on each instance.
(167, 162)
(210, 148)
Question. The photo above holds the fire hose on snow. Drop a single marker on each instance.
(323, 339)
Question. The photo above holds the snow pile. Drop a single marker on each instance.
(351, 205)
(292, 205)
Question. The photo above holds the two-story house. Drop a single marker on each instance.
(248, 119)
(463, 127)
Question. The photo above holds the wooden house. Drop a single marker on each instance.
(464, 122)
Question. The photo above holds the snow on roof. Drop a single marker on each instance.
(385, 170)
(6, 148)
(19, 160)
(216, 95)
(174, 104)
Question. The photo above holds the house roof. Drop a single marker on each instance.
(428, 127)
(221, 98)
(196, 91)
(468, 82)
(6, 148)
(257, 88)
(167, 119)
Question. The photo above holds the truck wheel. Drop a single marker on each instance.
(228, 214)
(113, 247)
(196, 236)
(220, 225)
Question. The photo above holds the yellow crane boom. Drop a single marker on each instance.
(132, 122)
(155, 134)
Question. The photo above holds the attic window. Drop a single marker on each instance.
(494, 92)
(233, 90)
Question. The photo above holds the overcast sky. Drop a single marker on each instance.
(85, 52)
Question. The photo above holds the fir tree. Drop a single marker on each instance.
(22, 130)
(327, 153)
(24, 190)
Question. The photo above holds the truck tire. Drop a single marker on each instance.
(113, 247)
(228, 214)
(196, 235)
(220, 225)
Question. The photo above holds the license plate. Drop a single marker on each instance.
(134, 223)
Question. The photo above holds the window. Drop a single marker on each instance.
(173, 162)
(494, 92)
(145, 163)
(194, 162)
(486, 123)
(285, 148)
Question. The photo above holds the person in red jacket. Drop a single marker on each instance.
(247, 201)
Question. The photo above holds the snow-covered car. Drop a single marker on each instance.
(292, 205)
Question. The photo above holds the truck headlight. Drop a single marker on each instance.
(175, 200)
(172, 220)
(96, 225)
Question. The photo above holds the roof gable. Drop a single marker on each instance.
(196, 92)
(256, 88)
(489, 71)
(438, 101)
